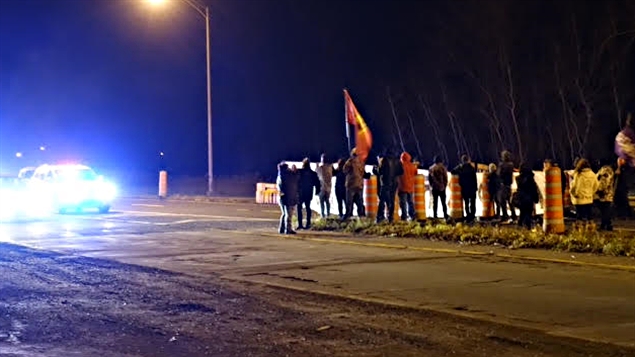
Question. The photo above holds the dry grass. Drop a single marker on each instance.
(578, 239)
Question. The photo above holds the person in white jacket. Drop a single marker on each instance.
(583, 188)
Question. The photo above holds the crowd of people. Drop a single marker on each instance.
(396, 177)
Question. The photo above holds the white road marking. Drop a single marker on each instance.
(243, 209)
(146, 205)
(209, 216)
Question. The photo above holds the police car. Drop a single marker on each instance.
(72, 187)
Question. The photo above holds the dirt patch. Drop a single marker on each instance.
(54, 305)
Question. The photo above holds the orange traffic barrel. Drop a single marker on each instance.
(456, 201)
(163, 184)
(395, 215)
(553, 219)
(486, 199)
(420, 197)
(371, 200)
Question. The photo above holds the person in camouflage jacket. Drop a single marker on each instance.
(605, 194)
(354, 170)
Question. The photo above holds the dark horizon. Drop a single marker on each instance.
(115, 83)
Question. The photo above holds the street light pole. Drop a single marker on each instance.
(203, 10)
(210, 161)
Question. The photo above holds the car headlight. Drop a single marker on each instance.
(107, 191)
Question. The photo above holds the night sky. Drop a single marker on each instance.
(115, 82)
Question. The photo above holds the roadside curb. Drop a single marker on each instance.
(473, 253)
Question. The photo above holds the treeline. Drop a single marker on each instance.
(539, 78)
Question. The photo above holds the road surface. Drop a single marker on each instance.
(236, 243)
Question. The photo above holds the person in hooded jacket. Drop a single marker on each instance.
(469, 186)
(340, 187)
(583, 188)
(309, 185)
(388, 170)
(528, 195)
(438, 178)
(493, 183)
(506, 178)
(325, 174)
(605, 193)
(287, 182)
(354, 170)
(407, 187)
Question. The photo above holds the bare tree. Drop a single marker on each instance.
(394, 116)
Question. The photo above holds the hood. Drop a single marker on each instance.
(506, 156)
(282, 168)
(405, 157)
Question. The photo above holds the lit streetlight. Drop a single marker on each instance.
(42, 148)
(203, 10)
(18, 155)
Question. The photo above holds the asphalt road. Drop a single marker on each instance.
(237, 241)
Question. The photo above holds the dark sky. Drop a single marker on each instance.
(115, 82)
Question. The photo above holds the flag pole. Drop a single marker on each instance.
(346, 125)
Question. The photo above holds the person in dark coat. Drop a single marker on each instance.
(438, 178)
(309, 185)
(388, 171)
(528, 195)
(493, 183)
(469, 186)
(287, 182)
(506, 178)
(340, 187)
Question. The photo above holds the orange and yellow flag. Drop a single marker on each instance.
(363, 136)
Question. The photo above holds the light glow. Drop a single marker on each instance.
(156, 2)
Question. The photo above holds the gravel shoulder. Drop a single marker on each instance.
(58, 305)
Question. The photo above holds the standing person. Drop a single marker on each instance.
(407, 187)
(388, 170)
(528, 195)
(340, 187)
(620, 200)
(354, 170)
(469, 186)
(605, 192)
(308, 183)
(625, 150)
(506, 177)
(325, 174)
(287, 182)
(438, 178)
(583, 188)
(492, 189)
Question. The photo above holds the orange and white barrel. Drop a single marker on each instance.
(396, 216)
(456, 201)
(487, 203)
(163, 184)
(420, 197)
(553, 218)
(371, 200)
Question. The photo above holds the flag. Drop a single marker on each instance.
(363, 136)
